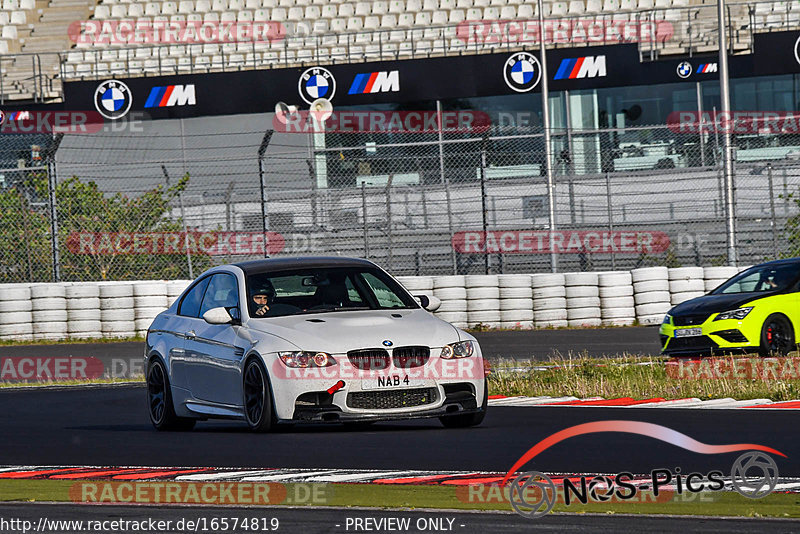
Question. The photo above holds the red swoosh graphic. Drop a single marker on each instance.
(634, 427)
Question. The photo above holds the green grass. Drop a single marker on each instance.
(640, 377)
(451, 498)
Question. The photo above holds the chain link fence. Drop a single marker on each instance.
(170, 198)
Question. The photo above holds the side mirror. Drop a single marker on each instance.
(217, 316)
(429, 303)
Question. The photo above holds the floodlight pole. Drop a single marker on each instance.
(727, 155)
(261, 150)
(551, 201)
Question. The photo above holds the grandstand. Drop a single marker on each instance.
(44, 42)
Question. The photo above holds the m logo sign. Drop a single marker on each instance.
(581, 67)
(375, 82)
(171, 95)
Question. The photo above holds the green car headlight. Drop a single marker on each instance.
(739, 313)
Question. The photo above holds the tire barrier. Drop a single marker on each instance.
(90, 310)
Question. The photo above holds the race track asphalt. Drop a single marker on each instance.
(110, 426)
(122, 360)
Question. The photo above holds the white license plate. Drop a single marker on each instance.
(688, 332)
(391, 382)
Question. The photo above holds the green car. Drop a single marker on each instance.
(756, 310)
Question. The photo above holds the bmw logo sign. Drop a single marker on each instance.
(2, 116)
(797, 50)
(684, 69)
(387, 343)
(316, 82)
(112, 99)
(522, 72)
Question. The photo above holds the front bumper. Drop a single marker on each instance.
(724, 336)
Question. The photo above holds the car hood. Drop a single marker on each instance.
(708, 304)
(339, 332)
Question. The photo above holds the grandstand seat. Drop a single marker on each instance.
(10, 5)
(235, 61)
(405, 49)
(235, 5)
(363, 9)
(406, 20)
(119, 11)
(9, 33)
(202, 6)
(372, 23)
(576, 7)
(422, 19)
(135, 11)
(252, 4)
(211, 16)
(4, 17)
(447, 4)
(354, 24)
(244, 16)
(338, 25)
(430, 5)
(295, 13)
(169, 8)
(439, 18)
(228, 16)
(646, 4)
(491, 13)
(184, 64)
(527, 11)
(279, 14)
(346, 10)
(558, 9)
(27, 4)
(397, 7)
(480, 3)
(101, 12)
(456, 16)
(261, 15)
(219, 5)
(413, 6)
(627, 5)
(508, 12)
(83, 69)
(388, 22)
(202, 63)
(194, 18)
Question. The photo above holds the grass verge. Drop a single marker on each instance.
(452, 498)
(642, 377)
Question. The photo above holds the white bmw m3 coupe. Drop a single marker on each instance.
(308, 340)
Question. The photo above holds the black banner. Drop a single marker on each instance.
(405, 81)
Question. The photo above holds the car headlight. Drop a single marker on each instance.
(739, 313)
(306, 359)
(667, 319)
(462, 349)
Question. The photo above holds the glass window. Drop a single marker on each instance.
(386, 297)
(322, 290)
(222, 291)
(190, 305)
(761, 278)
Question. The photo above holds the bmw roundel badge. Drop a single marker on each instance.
(387, 343)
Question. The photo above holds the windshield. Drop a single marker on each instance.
(322, 290)
(760, 278)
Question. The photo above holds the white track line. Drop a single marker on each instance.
(691, 403)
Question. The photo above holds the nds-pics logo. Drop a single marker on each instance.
(522, 72)
(171, 95)
(581, 67)
(375, 82)
(533, 494)
(113, 99)
(316, 82)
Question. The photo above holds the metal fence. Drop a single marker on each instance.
(165, 199)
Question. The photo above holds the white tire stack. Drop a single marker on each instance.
(83, 310)
(149, 299)
(516, 301)
(616, 298)
(713, 277)
(15, 312)
(685, 283)
(451, 291)
(116, 310)
(49, 305)
(483, 300)
(175, 288)
(583, 299)
(651, 294)
(549, 300)
(417, 285)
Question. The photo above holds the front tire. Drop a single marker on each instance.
(468, 419)
(159, 400)
(257, 398)
(777, 336)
